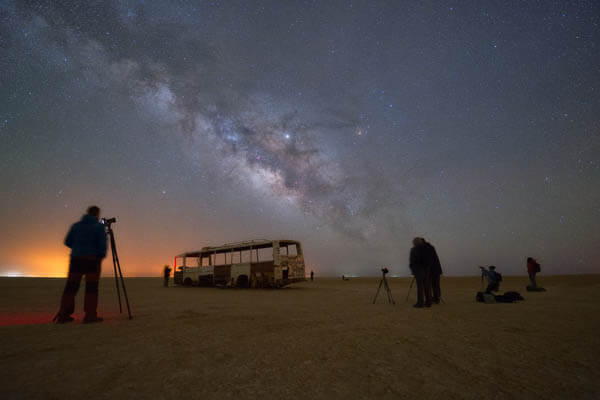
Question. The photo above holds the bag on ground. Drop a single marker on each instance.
(509, 297)
(487, 298)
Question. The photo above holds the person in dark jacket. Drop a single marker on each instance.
(420, 269)
(435, 271)
(532, 270)
(87, 241)
(166, 275)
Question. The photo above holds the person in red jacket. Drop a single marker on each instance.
(532, 268)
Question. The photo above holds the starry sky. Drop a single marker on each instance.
(351, 126)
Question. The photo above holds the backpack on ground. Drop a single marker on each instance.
(487, 298)
(509, 297)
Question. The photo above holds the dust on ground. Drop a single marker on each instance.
(321, 339)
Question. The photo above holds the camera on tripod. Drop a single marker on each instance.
(383, 282)
(108, 221)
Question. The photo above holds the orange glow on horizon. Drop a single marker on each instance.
(47, 264)
(53, 262)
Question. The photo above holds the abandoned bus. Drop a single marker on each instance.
(254, 263)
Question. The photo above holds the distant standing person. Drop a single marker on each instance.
(166, 275)
(532, 269)
(493, 279)
(420, 270)
(435, 270)
(312, 275)
(87, 241)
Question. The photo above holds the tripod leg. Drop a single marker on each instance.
(410, 287)
(124, 290)
(118, 266)
(114, 258)
(389, 293)
(376, 294)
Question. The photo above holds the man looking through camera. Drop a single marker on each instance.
(419, 266)
(87, 241)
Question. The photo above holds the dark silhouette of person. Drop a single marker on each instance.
(532, 270)
(435, 271)
(492, 277)
(166, 275)
(87, 241)
(420, 269)
(312, 275)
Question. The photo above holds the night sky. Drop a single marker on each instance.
(351, 126)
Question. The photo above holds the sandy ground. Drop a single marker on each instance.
(313, 340)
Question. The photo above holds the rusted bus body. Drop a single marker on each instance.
(255, 263)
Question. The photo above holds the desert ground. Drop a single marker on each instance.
(322, 339)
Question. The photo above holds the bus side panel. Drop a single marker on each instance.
(222, 274)
(191, 273)
(178, 277)
(295, 265)
(262, 274)
(263, 266)
(240, 269)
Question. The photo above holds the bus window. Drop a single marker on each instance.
(220, 259)
(265, 254)
(235, 257)
(192, 261)
(291, 250)
(246, 256)
(206, 261)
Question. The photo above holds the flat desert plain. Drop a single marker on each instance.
(323, 339)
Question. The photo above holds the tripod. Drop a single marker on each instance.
(117, 266)
(410, 287)
(383, 282)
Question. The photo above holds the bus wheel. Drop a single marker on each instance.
(187, 282)
(242, 281)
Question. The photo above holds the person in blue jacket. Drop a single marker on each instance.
(492, 277)
(87, 241)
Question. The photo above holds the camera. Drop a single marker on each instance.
(385, 270)
(108, 221)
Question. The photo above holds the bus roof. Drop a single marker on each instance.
(247, 245)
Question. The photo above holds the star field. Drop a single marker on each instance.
(351, 126)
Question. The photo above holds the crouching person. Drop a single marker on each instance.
(493, 278)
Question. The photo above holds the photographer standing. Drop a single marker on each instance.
(435, 271)
(166, 275)
(532, 269)
(87, 241)
(420, 269)
(493, 279)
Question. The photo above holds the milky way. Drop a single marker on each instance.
(350, 126)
